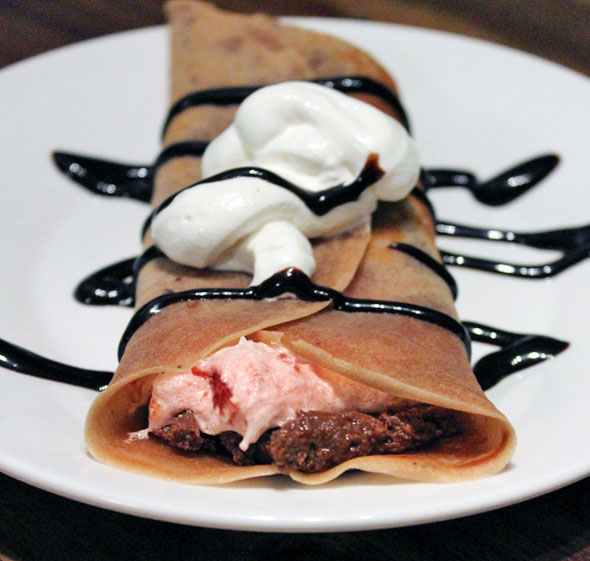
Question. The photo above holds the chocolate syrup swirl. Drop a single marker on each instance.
(135, 181)
(499, 190)
(294, 282)
(115, 285)
(320, 202)
(235, 95)
(110, 286)
(574, 243)
(180, 149)
(112, 179)
(18, 359)
(429, 262)
(518, 351)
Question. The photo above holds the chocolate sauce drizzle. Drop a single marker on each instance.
(291, 281)
(18, 359)
(499, 190)
(518, 351)
(116, 284)
(113, 179)
(135, 181)
(320, 202)
(103, 177)
(429, 262)
(574, 243)
(235, 95)
(113, 285)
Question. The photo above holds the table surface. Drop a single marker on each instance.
(35, 525)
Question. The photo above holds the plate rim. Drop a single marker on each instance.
(248, 524)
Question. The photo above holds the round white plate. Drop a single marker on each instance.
(472, 104)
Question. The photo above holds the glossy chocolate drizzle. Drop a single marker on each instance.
(291, 281)
(111, 285)
(574, 243)
(135, 181)
(235, 95)
(18, 359)
(320, 202)
(517, 351)
(116, 284)
(113, 179)
(429, 262)
(499, 190)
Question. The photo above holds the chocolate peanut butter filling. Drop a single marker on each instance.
(315, 441)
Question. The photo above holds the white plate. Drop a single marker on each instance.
(472, 104)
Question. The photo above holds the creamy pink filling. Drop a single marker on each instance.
(251, 387)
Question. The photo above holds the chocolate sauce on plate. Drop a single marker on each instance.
(517, 351)
(18, 359)
(111, 285)
(113, 179)
(499, 190)
(115, 284)
(135, 181)
(574, 243)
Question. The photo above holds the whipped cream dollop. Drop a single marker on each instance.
(312, 136)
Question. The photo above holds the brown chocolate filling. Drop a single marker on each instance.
(315, 441)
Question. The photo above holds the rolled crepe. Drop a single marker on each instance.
(404, 356)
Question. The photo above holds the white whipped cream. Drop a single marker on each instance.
(311, 135)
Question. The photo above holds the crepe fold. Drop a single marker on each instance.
(403, 356)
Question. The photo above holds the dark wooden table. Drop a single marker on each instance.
(35, 525)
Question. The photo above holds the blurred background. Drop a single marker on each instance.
(558, 30)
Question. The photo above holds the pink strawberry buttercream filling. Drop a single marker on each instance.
(251, 387)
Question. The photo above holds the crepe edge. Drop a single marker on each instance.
(448, 460)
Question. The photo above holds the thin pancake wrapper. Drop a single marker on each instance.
(401, 355)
